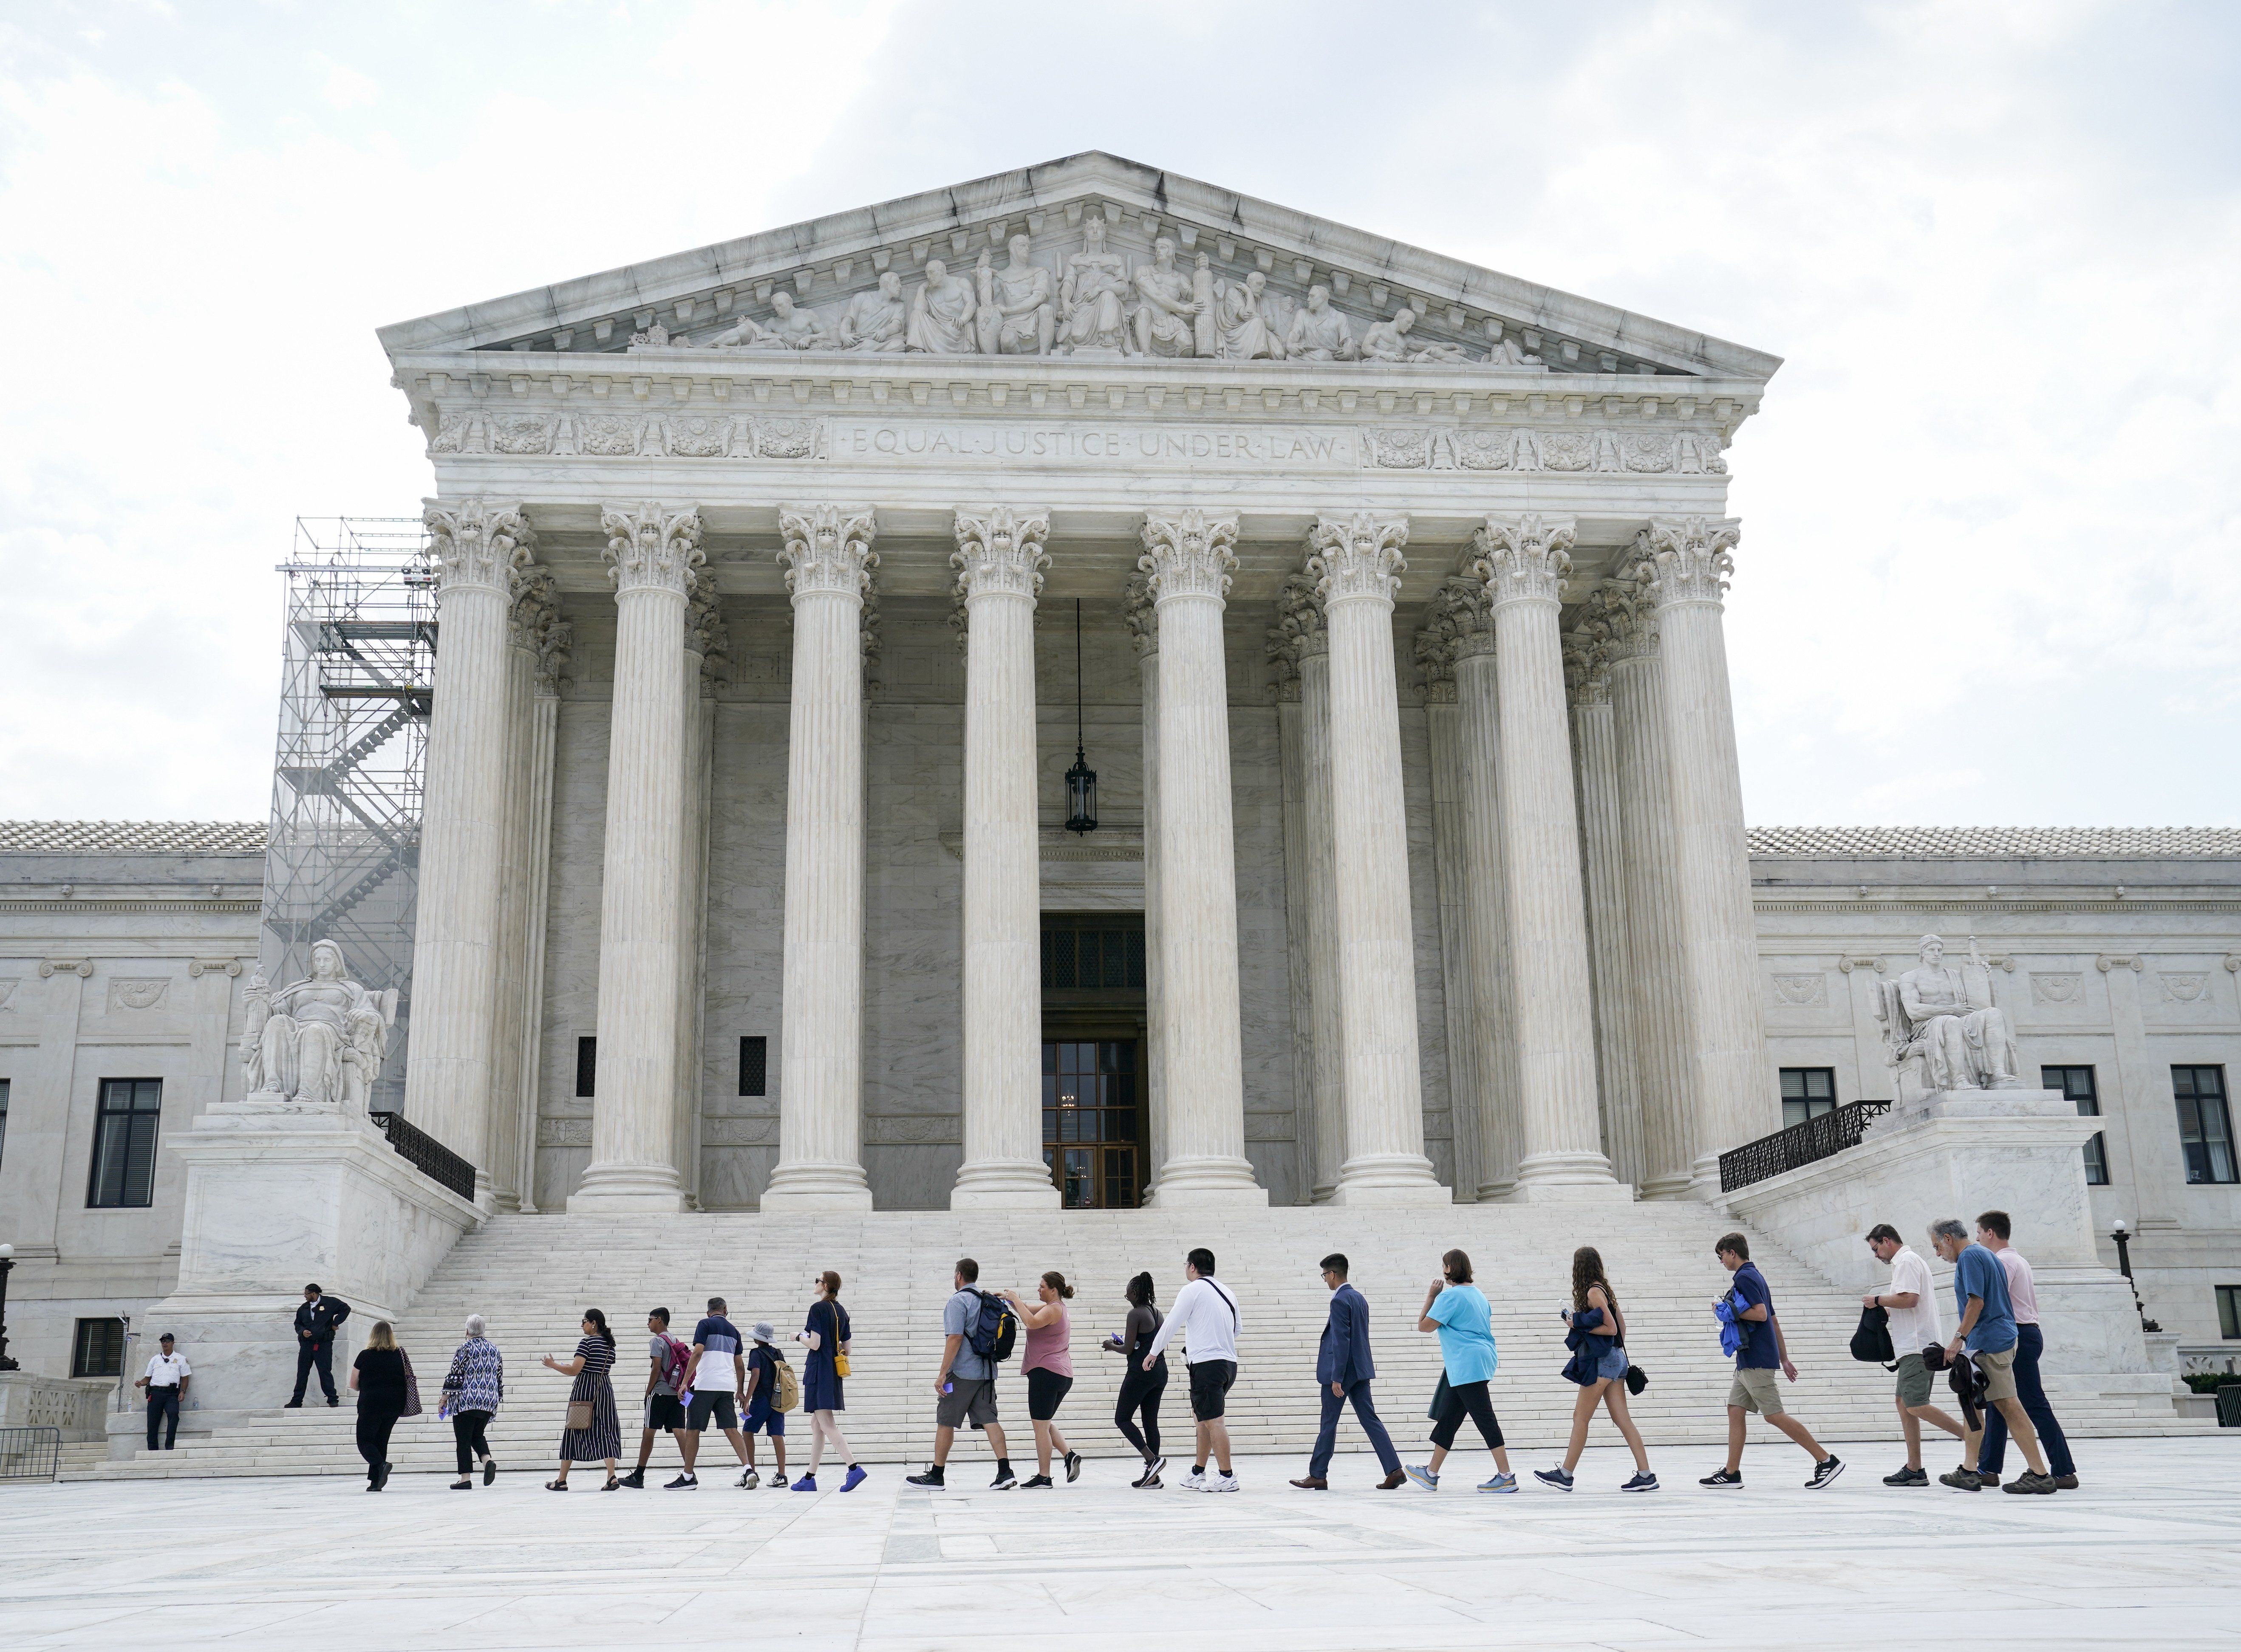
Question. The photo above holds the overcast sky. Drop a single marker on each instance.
(1990, 571)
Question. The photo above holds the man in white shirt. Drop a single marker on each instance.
(1992, 1230)
(1911, 1301)
(1207, 1313)
(166, 1383)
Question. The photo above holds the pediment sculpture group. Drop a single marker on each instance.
(1098, 304)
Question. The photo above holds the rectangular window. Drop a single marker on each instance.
(2076, 1083)
(1087, 959)
(2205, 1129)
(2229, 1312)
(99, 1348)
(587, 1064)
(755, 1066)
(124, 1144)
(1807, 1092)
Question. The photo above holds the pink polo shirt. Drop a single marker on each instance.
(2022, 1296)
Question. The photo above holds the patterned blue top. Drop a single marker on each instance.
(476, 1381)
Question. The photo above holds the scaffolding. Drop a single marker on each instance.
(342, 861)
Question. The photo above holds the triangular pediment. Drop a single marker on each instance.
(1246, 266)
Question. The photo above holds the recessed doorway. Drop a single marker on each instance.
(1093, 1089)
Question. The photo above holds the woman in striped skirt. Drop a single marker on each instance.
(601, 1439)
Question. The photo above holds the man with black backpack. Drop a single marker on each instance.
(1910, 1301)
(978, 1331)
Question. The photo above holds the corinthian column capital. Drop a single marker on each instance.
(1689, 559)
(1525, 559)
(536, 606)
(1298, 634)
(827, 549)
(999, 552)
(651, 547)
(1588, 654)
(477, 542)
(1188, 553)
(1628, 617)
(1142, 615)
(1357, 558)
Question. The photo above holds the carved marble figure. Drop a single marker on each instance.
(1388, 341)
(1507, 352)
(320, 1040)
(1241, 328)
(876, 319)
(941, 314)
(1320, 333)
(1018, 314)
(1946, 1017)
(1165, 318)
(791, 328)
(1091, 295)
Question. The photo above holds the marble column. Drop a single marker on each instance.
(533, 604)
(653, 552)
(1664, 1069)
(1450, 850)
(1524, 560)
(999, 558)
(477, 546)
(1595, 755)
(1685, 566)
(707, 644)
(554, 642)
(1357, 562)
(1284, 689)
(1144, 630)
(1188, 557)
(1486, 908)
(1301, 620)
(829, 559)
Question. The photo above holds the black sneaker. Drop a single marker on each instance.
(1985, 1477)
(1004, 1481)
(1962, 1480)
(1908, 1477)
(1725, 1477)
(635, 1480)
(932, 1477)
(1073, 1467)
(684, 1482)
(1149, 1477)
(1040, 1482)
(1825, 1473)
(2032, 1485)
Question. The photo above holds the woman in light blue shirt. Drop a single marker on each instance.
(1457, 1310)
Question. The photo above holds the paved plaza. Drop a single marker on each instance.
(2145, 1553)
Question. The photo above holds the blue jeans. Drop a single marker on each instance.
(1365, 1413)
(2030, 1344)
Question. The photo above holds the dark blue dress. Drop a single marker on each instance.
(821, 1383)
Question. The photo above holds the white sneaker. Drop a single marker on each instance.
(1195, 1480)
(1222, 1482)
(749, 1479)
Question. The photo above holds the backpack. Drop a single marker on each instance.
(785, 1388)
(994, 1330)
(675, 1357)
(1871, 1344)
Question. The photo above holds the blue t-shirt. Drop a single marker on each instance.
(719, 1340)
(760, 1361)
(1466, 1333)
(1978, 1273)
(1760, 1351)
(959, 1316)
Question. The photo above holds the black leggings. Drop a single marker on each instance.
(1467, 1399)
(1140, 1391)
(373, 1427)
(467, 1433)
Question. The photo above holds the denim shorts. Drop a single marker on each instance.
(1612, 1364)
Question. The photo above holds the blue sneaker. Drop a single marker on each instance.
(856, 1477)
(1555, 1478)
(1500, 1482)
(1424, 1478)
(1643, 1481)
(807, 1482)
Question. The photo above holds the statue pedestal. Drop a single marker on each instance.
(1958, 1153)
(280, 1195)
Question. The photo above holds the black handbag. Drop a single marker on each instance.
(1440, 1399)
(1871, 1344)
(1636, 1379)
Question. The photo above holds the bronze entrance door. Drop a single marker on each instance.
(1094, 1088)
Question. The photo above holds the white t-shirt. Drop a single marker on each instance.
(1207, 1314)
(1912, 1328)
(165, 1371)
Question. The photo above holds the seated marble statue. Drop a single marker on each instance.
(1092, 294)
(1166, 319)
(1018, 310)
(941, 313)
(875, 320)
(1388, 341)
(318, 1041)
(1945, 1018)
(1320, 333)
(1242, 330)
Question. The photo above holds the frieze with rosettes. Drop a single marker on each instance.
(1526, 450)
(629, 436)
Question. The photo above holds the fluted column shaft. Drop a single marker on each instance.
(1486, 927)
(532, 601)
(829, 557)
(456, 944)
(1328, 1076)
(1526, 561)
(700, 725)
(653, 551)
(1187, 558)
(1155, 1034)
(1358, 561)
(1594, 751)
(999, 555)
(1684, 565)
(1442, 721)
(543, 731)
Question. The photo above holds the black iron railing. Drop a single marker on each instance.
(427, 1155)
(1817, 1138)
(30, 1453)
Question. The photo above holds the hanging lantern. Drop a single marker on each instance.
(1081, 779)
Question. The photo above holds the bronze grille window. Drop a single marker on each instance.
(1089, 1122)
(1093, 960)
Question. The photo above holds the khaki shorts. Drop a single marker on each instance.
(1756, 1389)
(1913, 1381)
(1999, 1371)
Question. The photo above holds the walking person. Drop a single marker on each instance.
(763, 1408)
(666, 1359)
(166, 1383)
(965, 1386)
(1205, 1313)
(472, 1389)
(825, 1336)
(1343, 1374)
(378, 1377)
(1760, 1353)
(1992, 1230)
(315, 1322)
(1987, 1332)
(1049, 1367)
(1457, 1310)
(713, 1379)
(1601, 1365)
(1140, 1389)
(1910, 1301)
(594, 1433)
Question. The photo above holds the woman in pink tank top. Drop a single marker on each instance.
(1048, 1366)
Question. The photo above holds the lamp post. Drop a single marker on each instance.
(7, 1267)
(2123, 1237)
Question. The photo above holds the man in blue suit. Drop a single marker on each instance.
(1343, 1372)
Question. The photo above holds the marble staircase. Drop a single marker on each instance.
(532, 1275)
